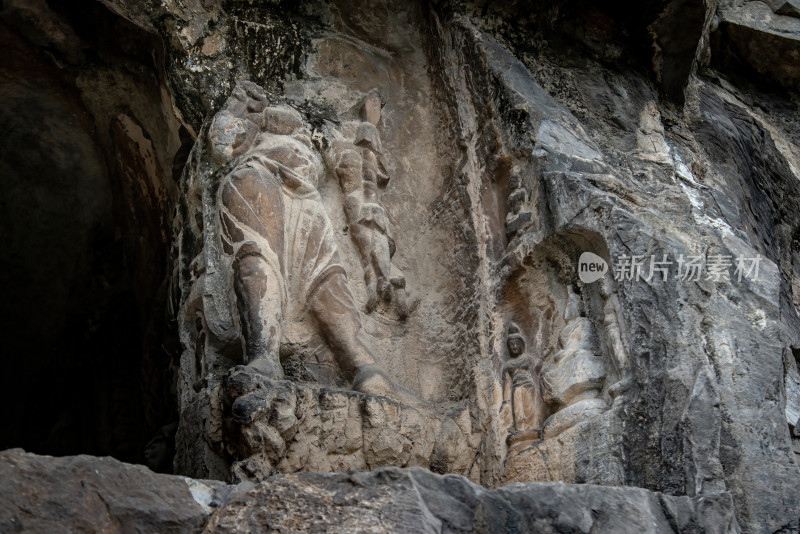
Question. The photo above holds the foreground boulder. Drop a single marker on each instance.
(88, 494)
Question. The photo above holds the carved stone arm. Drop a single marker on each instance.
(505, 383)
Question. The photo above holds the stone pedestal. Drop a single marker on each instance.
(259, 427)
(588, 452)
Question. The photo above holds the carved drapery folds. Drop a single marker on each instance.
(522, 391)
(270, 253)
(269, 276)
(267, 270)
(266, 277)
(574, 376)
(491, 169)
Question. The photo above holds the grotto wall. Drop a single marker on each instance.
(89, 143)
(379, 260)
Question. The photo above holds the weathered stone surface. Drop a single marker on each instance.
(102, 494)
(269, 426)
(750, 38)
(596, 443)
(657, 365)
(376, 257)
(790, 8)
(90, 494)
(415, 500)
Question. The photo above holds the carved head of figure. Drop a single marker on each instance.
(515, 341)
(282, 120)
(371, 107)
(230, 136)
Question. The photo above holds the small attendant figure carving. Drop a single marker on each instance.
(519, 216)
(521, 389)
(357, 160)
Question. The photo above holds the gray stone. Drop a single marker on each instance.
(45, 494)
(90, 494)
(789, 8)
(751, 39)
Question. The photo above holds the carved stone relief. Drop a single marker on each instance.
(522, 391)
(573, 377)
(356, 159)
(375, 251)
(269, 272)
(280, 426)
(519, 216)
(277, 241)
(563, 365)
(308, 218)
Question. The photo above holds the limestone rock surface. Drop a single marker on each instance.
(347, 236)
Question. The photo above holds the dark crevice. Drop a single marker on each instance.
(87, 342)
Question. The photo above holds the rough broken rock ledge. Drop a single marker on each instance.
(105, 495)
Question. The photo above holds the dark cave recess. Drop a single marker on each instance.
(87, 162)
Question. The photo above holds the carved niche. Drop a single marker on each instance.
(565, 366)
(266, 270)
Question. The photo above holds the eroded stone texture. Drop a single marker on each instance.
(362, 222)
(98, 494)
(274, 426)
(631, 382)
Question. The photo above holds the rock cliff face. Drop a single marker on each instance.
(515, 242)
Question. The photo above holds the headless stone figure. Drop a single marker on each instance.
(573, 378)
(274, 226)
(521, 389)
(358, 163)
